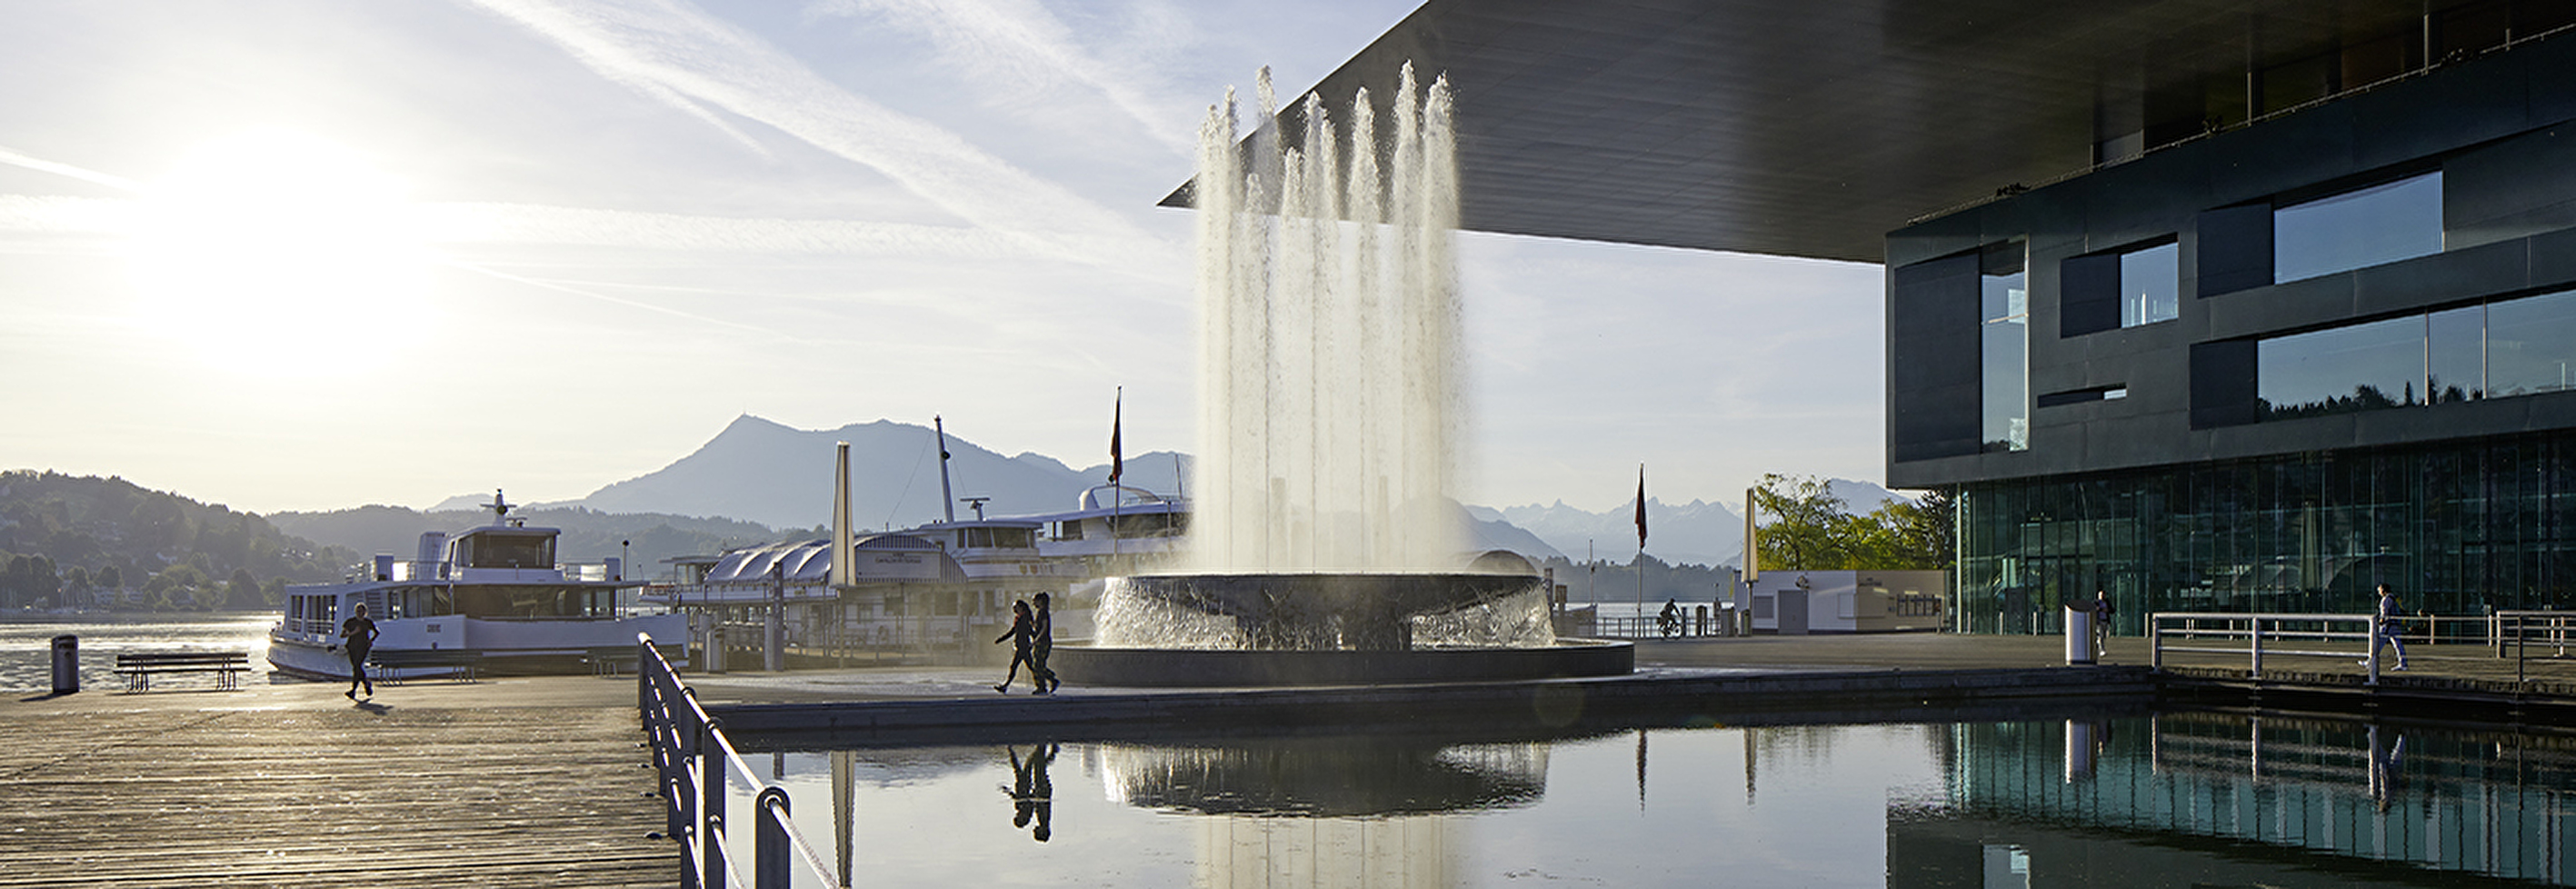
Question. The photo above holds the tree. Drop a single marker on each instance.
(1812, 530)
(1808, 530)
(242, 590)
(109, 578)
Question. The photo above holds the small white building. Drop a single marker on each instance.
(1798, 603)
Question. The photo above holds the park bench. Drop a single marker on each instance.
(138, 668)
(394, 667)
(612, 661)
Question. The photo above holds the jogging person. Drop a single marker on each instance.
(358, 636)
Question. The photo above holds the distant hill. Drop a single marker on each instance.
(588, 535)
(73, 533)
(760, 471)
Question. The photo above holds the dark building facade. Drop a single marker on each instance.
(2282, 359)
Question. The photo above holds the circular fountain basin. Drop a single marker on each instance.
(1177, 667)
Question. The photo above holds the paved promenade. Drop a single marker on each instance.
(537, 781)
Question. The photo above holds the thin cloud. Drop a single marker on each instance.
(680, 55)
(1022, 48)
(537, 224)
(16, 159)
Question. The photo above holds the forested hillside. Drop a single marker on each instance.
(64, 538)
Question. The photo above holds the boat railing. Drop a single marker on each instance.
(696, 766)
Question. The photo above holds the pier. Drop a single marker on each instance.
(501, 783)
(542, 781)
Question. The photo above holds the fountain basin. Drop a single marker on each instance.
(1307, 611)
(1185, 667)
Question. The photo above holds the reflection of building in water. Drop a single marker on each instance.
(1318, 812)
(2277, 795)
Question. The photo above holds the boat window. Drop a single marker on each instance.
(508, 551)
(1014, 538)
(527, 602)
(976, 537)
(1071, 530)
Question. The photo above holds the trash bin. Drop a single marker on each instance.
(2079, 635)
(66, 664)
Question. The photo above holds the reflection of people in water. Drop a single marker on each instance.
(2383, 768)
(1033, 793)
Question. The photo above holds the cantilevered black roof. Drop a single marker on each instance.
(1814, 127)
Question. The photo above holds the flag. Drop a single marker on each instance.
(1117, 464)
(1641, 506)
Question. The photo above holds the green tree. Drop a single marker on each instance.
(110, 578)
(242, 590)
(176, 588)
(1808, 530)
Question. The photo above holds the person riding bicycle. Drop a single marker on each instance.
(1670, 620)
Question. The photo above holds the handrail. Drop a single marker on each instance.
(2520, 629)
(2257, 635)
(693, 762)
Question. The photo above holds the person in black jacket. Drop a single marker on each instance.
(358, 636)
(1022, 630)
(1041, 644)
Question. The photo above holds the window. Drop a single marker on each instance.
(2511, 347)
(2363, 227)
(2004, 343)
(2531, 344)
(2150, 284)
(2126, 287)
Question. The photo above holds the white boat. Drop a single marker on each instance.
(493, 594)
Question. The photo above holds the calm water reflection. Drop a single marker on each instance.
(2176, 799)
(26, 643)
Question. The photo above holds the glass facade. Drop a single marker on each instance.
(2362, 227)
(2004, 341)
(2151, 285)
(2454, 529)
(2494, 350)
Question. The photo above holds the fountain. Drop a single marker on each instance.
(1325, 543)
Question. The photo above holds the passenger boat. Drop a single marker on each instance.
(493, 597)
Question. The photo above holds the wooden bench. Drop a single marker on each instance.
(138, 668)
(616, 661)
(392, 667)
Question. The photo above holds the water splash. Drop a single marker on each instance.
(1330, 355)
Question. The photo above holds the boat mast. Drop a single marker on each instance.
(947, 499)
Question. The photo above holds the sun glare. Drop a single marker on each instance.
(283, 252)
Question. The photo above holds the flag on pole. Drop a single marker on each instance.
(1117, 464)
(1641, 506)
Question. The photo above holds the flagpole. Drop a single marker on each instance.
(1117, 465)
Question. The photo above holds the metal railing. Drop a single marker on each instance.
(2257, 636)
(2518, 632)
(694, 763)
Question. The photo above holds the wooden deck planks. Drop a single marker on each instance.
(331, 797)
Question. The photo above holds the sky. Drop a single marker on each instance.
(306, 254)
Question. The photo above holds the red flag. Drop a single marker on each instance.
(1117, 464)
(1641, 506)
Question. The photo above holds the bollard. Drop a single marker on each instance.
(2079, 636)
(66, 664)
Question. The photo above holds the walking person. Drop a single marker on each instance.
(1041, 644)
(1020, 633)
(2101, 622)
(2385, 632)
(358, 637)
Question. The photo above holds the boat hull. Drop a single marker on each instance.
(506, 646)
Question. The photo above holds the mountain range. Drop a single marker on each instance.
(757, 470)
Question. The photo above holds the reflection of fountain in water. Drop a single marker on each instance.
(1348, 777)
(1327, 812)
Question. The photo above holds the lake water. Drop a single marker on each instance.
(26, 643)
(2171, 800)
